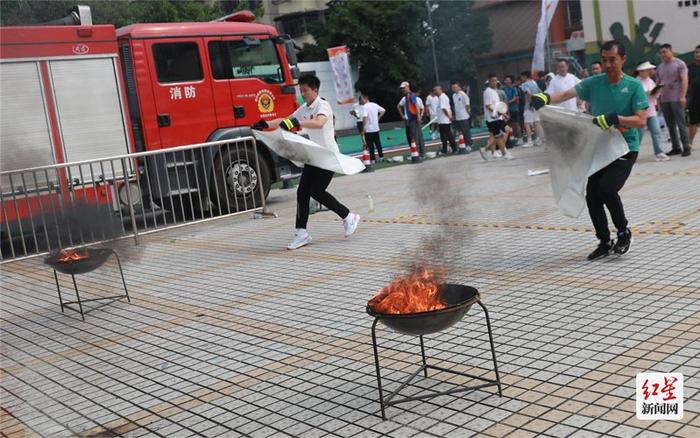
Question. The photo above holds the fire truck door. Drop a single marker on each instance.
(182, 90)
(252, 67)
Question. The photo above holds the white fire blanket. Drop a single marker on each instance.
(577, 149)
(300, 151)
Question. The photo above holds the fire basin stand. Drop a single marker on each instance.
(97, 257)
(417, 320)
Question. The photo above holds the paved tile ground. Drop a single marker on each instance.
(228, 334)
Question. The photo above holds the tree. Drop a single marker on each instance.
(384, 39)
(461, 34)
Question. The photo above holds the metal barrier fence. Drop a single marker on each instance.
(66, 205)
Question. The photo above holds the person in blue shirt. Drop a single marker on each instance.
(513, 99)
(618, 101)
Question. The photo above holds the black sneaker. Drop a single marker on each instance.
(674, 152)
(602, 251)
(624, 242)
(686, 152)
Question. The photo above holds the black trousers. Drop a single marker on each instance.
(675, 116)
(313, 184)
(446, 136)
(464, 126)
(373, 139)
(602, 191)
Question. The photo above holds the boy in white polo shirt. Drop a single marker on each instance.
(316, 116)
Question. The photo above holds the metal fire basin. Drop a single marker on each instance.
(96, 258)
(459, 300)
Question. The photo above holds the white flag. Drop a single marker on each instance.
(548, 8)
(340, 63)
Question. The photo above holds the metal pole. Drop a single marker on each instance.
(134, 228)
(546, 50)
(432, 41)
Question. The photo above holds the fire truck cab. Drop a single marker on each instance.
(189, 83)
(72, 91)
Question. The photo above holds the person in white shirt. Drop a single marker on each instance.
(431, 104)
(494, 121)
(316, 117)
(563, 81)
(444, 120)
(419, 126)
(531, 118)
(462, 118)
(356, 112)
(372, 114)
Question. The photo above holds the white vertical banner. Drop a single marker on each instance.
(548, 8)
(340, 63)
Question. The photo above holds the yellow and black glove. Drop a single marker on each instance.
(606, 121)
(539, 100)
(290, 124)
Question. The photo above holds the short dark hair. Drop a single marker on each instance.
(697, 47)
(563, 60)
(666, 46)
(596, 62)
(311, 81)
(455, 83)
(608, 45)
(526, 73)
(511, 77)
(493, 75)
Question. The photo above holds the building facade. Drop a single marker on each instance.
(293, 17)
(642, 26)
(513, 26)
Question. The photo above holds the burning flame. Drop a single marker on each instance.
(415, 292)
(72, 255)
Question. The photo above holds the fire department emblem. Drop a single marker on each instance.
(80, 49)
(265, 100)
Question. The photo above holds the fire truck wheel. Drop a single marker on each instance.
(237, 180)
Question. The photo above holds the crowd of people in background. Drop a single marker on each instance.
(673, 89)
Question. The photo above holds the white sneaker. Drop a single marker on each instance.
(497, 154)
(527, 145)
(350, 223)
(508, 156)
(301, 238)
(661, 157)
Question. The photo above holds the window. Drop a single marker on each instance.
(246, 58)
(298, 24)
(294, 26)
(574, 10)
(177, 62)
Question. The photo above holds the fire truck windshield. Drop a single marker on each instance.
(237, 59)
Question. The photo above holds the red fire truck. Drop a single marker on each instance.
(72, 91)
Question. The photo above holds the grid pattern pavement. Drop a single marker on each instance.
(228, 334)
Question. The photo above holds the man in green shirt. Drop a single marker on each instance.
(617, 101)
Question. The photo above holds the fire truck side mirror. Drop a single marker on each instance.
(295, 72)
(291, 51)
